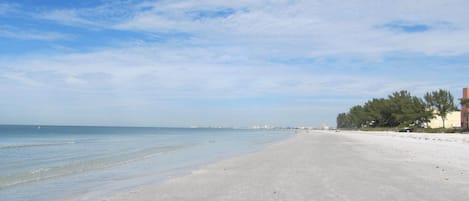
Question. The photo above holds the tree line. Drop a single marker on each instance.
(399, 109)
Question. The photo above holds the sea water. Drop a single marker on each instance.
(86, 163)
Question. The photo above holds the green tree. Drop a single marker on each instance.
(408, 110)
(343, 121)
(442, 102)
(358, 117)
(398, 109)
(421, 115)
(378, 112)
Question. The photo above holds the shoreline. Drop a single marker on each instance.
(162, 177)
(101, 162)
(195, 169)
(325, 165)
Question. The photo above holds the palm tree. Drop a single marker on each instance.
(442, 101)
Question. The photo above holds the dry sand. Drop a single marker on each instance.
(330, 166)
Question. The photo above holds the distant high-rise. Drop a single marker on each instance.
(465, 109)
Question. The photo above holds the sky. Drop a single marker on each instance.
(222, 63)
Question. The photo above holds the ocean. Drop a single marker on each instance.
(88, 162)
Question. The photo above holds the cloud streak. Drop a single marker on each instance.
(197, 73)
(10, 32)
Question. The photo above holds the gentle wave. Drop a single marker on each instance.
(16, 146)
(83, 166)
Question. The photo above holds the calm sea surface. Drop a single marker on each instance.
(85, 163)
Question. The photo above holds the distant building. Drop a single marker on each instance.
(324, 127)
(262, 127)
(464, 109)
(453, 120)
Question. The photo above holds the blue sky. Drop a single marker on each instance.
(222, 63)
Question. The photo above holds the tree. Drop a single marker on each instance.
(343, 121)
(398, 109)
(378, 112)
(358, 117)
(442, 101)
(408, 110)
(355, 118)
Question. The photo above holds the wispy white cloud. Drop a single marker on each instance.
(99, 17)
(11, 32)
(195, 73)
(315, 28)
(68, 17)
(310, 28)
(22, 79)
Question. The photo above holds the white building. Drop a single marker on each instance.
(453, 120)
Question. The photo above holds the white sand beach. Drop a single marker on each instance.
(330, 166)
